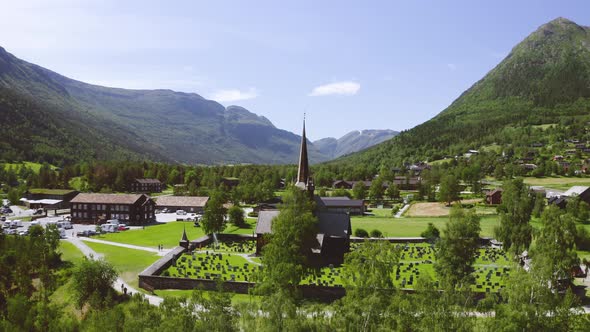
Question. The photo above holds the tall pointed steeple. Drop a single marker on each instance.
(303, 170)
(304, 180)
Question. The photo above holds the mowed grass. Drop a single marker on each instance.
(128, 262)
(560, 183)
(168, 234)
(235, 297)
(414, 226)
(70, 252)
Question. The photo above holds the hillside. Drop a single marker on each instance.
(545, 79)
(352, 142)
(149, 124)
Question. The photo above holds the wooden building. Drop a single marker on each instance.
(334, 227)
(494, 196)
(146, 186)
(48, 198)
(192, 204)
(132, 209)
(340, 204)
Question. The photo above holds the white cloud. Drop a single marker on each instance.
(230, 95)
(452, 66)
(346, 88)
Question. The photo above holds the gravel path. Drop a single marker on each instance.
(88, 252)
(129, 246)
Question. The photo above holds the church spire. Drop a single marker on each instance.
(303, 170)
(304, 180)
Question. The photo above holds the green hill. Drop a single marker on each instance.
(54, 118)
(545, 79)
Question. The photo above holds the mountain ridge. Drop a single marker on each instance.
(544, 79)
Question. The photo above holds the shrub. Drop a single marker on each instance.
(253, 214)
(376, 233)
(431, 233)
(236, 216)
(359, 232)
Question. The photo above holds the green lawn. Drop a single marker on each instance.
(33, 166)
(128, 262)
(558, 182)
(168, 234)
(413, 226)
(70, 252)
(235, 298)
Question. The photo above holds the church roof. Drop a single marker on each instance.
(264, 223)
(329, 223)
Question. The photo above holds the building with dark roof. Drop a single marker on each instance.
(494, 196)
(133, 209)
(48, 198)
(194, 204)
(341, 204)
(334, 227)
(146, 186)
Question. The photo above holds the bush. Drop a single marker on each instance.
(236, 216)
(376, 233)
(359, 232)
(431, 233)
(253, 214)
(395, 209)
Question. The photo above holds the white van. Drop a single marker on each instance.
(64, 224)
(109, 228)
(113, 221)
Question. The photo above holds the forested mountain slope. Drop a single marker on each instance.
(545, 79)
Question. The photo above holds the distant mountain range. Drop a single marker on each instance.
(352, 142)
(544, 80)
(49, 117)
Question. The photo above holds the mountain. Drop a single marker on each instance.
(544, 80)
(352, 142)
(146, 124)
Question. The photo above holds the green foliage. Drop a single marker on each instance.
(293, 235)
(213, 220)
(457, 249)
(431, 233)
(92, 281)
(449, 189)
(515, 231)
(236, 216)
(376, 233)
(554, 252)
(359, 232)
(359, 191)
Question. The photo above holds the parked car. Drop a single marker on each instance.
(23, 233)
(164, 210)
(10, 231)
(123, 227)
(38, 212)
(3, 218)
(181, 212)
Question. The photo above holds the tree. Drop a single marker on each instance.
(431, 233)
(14, 196)
(359, 191)
(214, 217)
(92, 279)
(289, 244)
(377, 189)
(515, 231)
(449, 189)
(236, 216)
(393, 191)
(457, 248)
(554, 254)
(369, 287)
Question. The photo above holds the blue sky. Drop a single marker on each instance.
(349, 64)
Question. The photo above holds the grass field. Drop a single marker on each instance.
(168, 234)
(128, 262)
(413, 226)
(560, 183)
(34, 166)
(70, 252)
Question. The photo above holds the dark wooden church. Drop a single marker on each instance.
(334, 228)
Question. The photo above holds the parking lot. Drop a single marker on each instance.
(160, 218)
